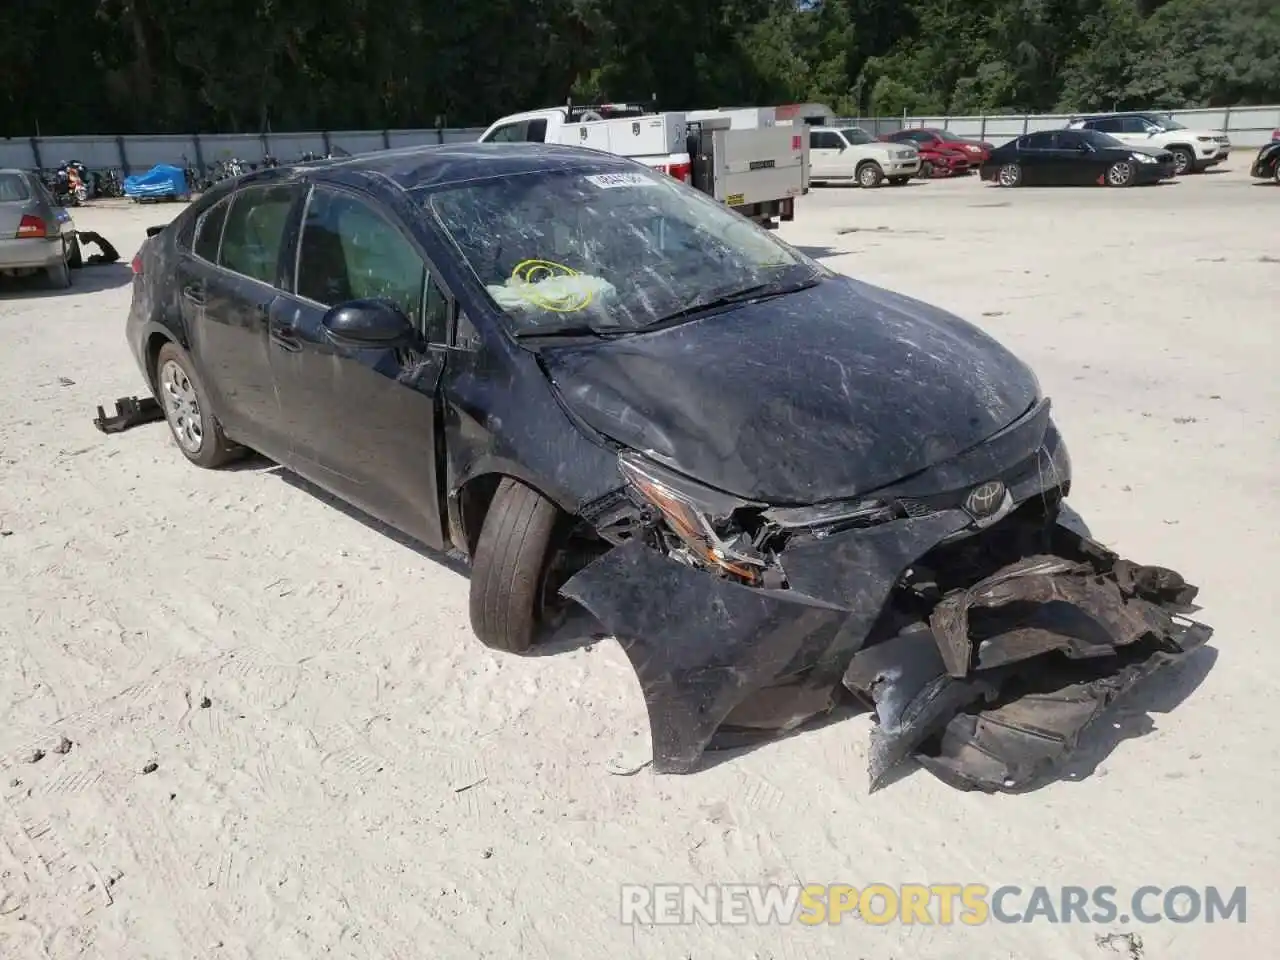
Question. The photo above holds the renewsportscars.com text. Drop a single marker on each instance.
(971, 904)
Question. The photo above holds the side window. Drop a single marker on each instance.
(1133, 125)
(349, 251)
(254, 232)
(512, 132)
(825, 140)
(922, 137)
(537, 132)
(1070, 140)
(1038, 141)
(209, 231)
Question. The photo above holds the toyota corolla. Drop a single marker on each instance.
(771, 483)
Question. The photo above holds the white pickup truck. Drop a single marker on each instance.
(758, 172)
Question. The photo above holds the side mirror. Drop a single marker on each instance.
(374, 324)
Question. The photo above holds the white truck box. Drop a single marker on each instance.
(659, 133)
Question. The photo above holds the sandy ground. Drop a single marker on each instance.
(342, 771)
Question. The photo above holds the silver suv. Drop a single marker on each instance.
(1193, 150)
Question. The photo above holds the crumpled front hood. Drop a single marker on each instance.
(817, 395)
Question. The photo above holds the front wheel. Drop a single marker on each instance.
(510, 566)
(926, 170)
(1183, 161)
(1010, 175)
(1121, 174)
(870, 175)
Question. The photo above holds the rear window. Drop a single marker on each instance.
(13, 187)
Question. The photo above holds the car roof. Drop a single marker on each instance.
(417, 168)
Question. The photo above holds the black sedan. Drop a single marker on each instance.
(1266, 165)
(1060, 158)
(606, 389)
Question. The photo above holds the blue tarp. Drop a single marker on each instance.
(162, 180)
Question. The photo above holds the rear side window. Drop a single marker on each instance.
(254, 232)
(209, 231)
(13, 188)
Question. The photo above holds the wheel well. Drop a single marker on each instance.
(863, 164)
(1182, 146)
(154, 344)
(474, 500)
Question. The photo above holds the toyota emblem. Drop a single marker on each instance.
(985, 499)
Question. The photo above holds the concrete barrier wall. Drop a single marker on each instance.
(1248, 127)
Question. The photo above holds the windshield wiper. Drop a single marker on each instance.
(568, 330)
(758, 291)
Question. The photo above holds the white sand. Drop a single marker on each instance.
(369, 782)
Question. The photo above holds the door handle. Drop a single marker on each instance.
(194, 292)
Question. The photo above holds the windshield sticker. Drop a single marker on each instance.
(549, 285)
(609, 180)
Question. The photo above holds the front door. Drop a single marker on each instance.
(825, 149)
(363, 421)
(227, 286)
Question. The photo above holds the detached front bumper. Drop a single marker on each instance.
(891, 613)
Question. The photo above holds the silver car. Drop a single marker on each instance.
(36, 235)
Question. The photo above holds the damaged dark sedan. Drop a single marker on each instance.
(774, 485)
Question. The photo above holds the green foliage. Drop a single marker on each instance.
(126, 66)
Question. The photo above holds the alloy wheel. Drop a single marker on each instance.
(1120, 174)
(1010, 175)
(181, 406)
(1181, 162)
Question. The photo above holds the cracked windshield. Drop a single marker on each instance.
(616, 250)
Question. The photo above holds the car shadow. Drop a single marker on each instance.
(450, 560)
(818, 253)
(91, 278)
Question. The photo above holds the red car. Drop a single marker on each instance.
(935, 160)
(975, 151)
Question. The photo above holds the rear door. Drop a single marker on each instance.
(1036, 155)
(232, 299)
(363, 421)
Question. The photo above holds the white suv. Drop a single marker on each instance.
(1193, 150)
(850, 153)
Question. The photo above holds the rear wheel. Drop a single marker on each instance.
(58, 275)
(1121, 174)
(870, 175)
(76, 260)
(510, 567)
(187, 410)
(1010, 175)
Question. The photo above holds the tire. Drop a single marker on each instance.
(869, 174)
(58, 276)
(1184, 161)
(76, 260)
(1009, 175)
(1275, 173)
(508, 568)
(926, 170)
(1121, 174)
(188, 412)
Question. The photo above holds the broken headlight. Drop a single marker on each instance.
(706, 524)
